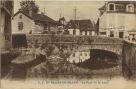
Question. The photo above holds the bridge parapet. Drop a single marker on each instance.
(83, 42)
(42, 38)
(126, 49)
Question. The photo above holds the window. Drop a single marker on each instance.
(121, 34)
(130, 8)
(20, 25)
(103, 33)
(73, 54)
(85, 54)
(111, 33)
(85, 32)
(111, 7)
(66, 32)
(80, 32)
(20, 16)
(90, 33)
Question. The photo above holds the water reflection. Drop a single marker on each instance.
(79, 56)
(94, 59)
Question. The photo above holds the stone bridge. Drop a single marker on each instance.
(112, 47)
(81, 42)
(126, 50)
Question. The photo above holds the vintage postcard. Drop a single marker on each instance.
(67, 44)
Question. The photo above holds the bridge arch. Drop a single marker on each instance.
(107, 53)
(115, 48)
(100, 59)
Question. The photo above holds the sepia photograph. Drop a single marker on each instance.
(50, 44)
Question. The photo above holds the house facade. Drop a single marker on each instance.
(6, 12)
(80, 27)
(28, 23)
(117, 18)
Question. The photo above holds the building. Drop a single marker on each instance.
(132, 34)
(29, 23)
(6, 12)
(117, 18)
(61, 24)
(80, 27)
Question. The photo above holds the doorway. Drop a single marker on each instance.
(121, 34)
(111, 33)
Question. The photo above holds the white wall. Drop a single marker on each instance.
(88, 32)
(93, 33)
(117, 21)
(77, 31)
(80, 55)
(83, 32)
(71, 31)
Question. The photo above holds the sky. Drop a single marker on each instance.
(53, 9)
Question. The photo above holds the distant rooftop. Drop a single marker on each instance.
(120, 7)
(85, 24)
(37, 17)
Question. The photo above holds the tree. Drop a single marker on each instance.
(29, 5)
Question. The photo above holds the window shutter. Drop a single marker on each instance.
(20, 25)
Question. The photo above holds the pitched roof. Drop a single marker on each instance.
(81, 24)
(37, 17)
(22, 13)
(122, 2)
(42, 17)
(119, 5)
(117, 2)
(102, 8)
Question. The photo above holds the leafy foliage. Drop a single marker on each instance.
(29, 5)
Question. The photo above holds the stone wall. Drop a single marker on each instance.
(129, 59)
